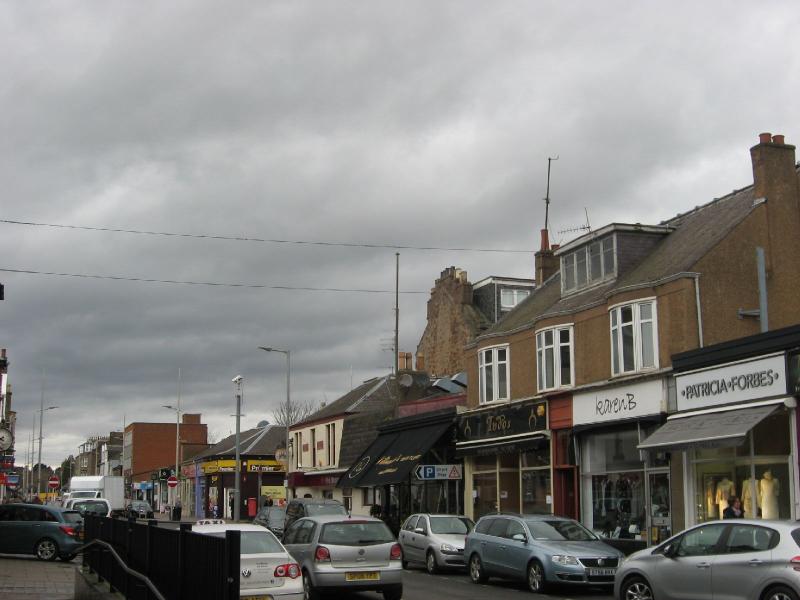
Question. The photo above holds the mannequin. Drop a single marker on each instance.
(711, 506)
(769, 490)
(725, 489)
(751, 507)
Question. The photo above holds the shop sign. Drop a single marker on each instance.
(264, 466)
(623, 402)
(735, 382)
(793, 373)
(514, 419)
(429, 472)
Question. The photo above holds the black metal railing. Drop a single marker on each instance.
(179, 563)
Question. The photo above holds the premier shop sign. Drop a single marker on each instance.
(734, 382)
(615, 404)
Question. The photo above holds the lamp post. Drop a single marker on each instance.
(237, 496)
(288, 354)
(177, 437)
(41, 411)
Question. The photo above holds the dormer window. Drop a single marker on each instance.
(588, 265)
(510, 297)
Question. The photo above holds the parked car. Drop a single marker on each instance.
(435, 540)
(139, 509)
(539, 550)
(267, 570)
(273, 518)
(344, 554)
(99, 507)
(741, 559)
(310, 507)
(44, 531)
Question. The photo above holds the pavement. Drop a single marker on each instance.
(26, 578)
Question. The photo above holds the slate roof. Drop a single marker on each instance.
(695, 233)
(252, 442)
(373, 393)
(360, 430)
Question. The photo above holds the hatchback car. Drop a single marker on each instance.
(44, 531)
(741, 559)
(273, 518)
(310, 507)
(339, 554)
(139, 509)
(539, 550)
(267, 570)
(437, 541)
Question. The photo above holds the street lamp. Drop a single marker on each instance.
(41, 412)
(177, 437)
(288, 354)
(237, 494)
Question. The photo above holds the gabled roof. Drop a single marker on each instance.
(252, 442)
(695, 234)
(372, 394)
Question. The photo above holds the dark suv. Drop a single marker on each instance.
(311, 507)
(44, 531)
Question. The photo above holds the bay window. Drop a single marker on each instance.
(493, 374)
(634, 337)
(554, 358)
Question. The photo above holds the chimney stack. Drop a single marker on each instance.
(773, 165)
(546, 263)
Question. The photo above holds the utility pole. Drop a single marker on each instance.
(41, 418)
(178, 440)
(396, 314)
(237, 499)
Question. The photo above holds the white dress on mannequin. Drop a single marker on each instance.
(770, 489)
(711, 505)
(750, 504)
(725, 489)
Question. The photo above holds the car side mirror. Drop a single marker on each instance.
(419, 530)
(669, 550)
(520, 537)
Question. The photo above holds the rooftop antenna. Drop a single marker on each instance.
(585, 227)
(547, 196)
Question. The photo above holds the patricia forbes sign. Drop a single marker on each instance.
(617, 403)
(734, 382)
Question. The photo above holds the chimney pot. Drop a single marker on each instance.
(555, 247)
(778, 139)
(545, 240)
(764, 138)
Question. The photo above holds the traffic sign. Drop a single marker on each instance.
(53, 482)
(172, 481)
(430, 472)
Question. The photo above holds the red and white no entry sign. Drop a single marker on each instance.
(172, 481)
(53, 482)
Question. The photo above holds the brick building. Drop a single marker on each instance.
(570, 384)
(149, 447)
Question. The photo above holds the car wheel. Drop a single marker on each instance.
(393, 593)
(430, 563)
(46, 549)
(780, 593)
(637, 588)
(309, 593)
(476, 573)
(535, 579)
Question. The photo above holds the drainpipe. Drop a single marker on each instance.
(699, 311)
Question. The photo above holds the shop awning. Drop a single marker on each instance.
(709, 430)
(501, 445)
(393, 455)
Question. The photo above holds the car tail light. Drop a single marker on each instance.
(396, 553)
(322, 554)
(290, 570)
(795, 562)
(67, 529)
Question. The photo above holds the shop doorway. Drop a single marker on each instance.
(564, 490)
(660, 511)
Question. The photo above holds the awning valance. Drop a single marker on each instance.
(393, 455)
(708, 430)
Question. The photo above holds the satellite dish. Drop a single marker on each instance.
(263, 423)
(406, 380)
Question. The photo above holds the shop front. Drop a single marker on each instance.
(625, 494)
(411, 467)
(261, 479)
(734, 435)
(506, 452)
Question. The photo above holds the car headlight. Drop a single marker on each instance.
(564, 559)
(449, 548)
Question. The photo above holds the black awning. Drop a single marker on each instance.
(501, 446)
(709, 430)
(393, 455)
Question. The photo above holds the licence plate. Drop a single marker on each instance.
(602, 572)
(363, 576)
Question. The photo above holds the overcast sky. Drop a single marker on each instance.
(389, 123)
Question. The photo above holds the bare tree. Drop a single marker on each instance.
(299, 411)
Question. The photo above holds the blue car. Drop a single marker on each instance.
(540, 550)
(46, 532)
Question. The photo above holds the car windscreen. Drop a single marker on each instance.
(256, 542)
(452, 525)
(90, 507)
(83, 495)
(140, 506)
(276, 516)
(325, 509)
(72, 516)
(560, 531)
(355, 533)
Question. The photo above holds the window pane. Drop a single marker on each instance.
(484, 499)
(615, 350)
(501, 354)
(646, 311)
(595, 262)
(626, 314)
(566, 371)
(700, 542)
(563, 336)
(569, 272)
(548, 338)
(580, 267)
(614, 318)
(539, 370)
(628, 363)
(648, 352)
(549, 367)
(535, 489)
(608, 256)
(507, 298)
(489, 383)
(502, 381)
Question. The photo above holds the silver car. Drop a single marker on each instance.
(740, 559)
(340, 553)
(435, 540)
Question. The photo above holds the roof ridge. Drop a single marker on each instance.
(369, 392)
(700, 207)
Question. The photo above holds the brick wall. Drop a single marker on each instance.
(154, 445)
